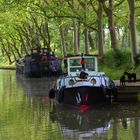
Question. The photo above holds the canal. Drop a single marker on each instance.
(26, 113)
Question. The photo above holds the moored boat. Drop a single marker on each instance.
(39, 63)
(83, 84)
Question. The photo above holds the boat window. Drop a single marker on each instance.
(75, 62)
(90, 64)
(75, 69)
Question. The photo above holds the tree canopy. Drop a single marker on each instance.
(69, 26)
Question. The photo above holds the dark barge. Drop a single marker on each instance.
(39, 63)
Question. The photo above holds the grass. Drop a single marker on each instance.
(7, 67)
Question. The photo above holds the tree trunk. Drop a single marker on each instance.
(124, 36)
(63, 41)
(38, 45)
(26, 33)
(78, 35)
(23, 46)
(132, 28)
(6, 52)
(11, 48)
(91, 41)
(75, 37)
(100, 30)
(111, 24)
(46, 33)
(86, 41)
(41, 31)
(86, 31)
(15, 46)
(17, 50)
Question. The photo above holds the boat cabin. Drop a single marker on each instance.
(78, 63)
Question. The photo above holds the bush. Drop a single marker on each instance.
(116, 62)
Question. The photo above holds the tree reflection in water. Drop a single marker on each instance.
(27, 113)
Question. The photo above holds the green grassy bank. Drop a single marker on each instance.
(10, 67)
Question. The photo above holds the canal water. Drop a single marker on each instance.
(26, 113)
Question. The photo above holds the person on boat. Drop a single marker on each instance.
(44, 57)
(52, 55)
(83, 62)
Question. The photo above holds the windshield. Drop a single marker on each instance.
(90, 64)
(75, 64)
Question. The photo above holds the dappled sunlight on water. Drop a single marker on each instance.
(26, 113)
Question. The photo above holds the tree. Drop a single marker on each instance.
(111, 22)
(99, 13)
(72, 25)
(132, 28)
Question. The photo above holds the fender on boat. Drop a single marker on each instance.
(114, 90)
(61, 95)
(114, 93)
(52, 93)
(107, 92)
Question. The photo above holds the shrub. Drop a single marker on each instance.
(116, 62)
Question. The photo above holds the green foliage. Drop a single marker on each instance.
(137, 60)
(115, 63)
(117, 59)
(114, 74)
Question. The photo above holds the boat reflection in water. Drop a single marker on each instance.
(35, 86)
(102, 122)
(76, 123)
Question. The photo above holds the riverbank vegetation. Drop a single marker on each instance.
(109, 28)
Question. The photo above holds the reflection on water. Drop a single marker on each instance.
(116, 122)
(26, 113)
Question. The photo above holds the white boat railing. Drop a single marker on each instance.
(102, 79)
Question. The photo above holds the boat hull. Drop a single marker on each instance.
(84, 95)
(39, 68)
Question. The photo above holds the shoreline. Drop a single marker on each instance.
(7, 68)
